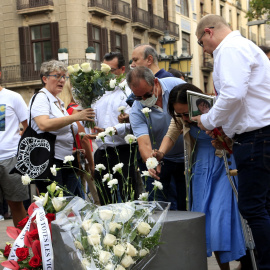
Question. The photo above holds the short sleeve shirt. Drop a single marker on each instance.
(46, 104)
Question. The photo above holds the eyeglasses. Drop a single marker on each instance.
(146, 95)
(58, 77)
(181, 115)
(199, 40)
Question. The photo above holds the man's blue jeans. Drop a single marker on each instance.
(252, 155)
(169, 171)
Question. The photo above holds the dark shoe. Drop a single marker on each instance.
(7, 216)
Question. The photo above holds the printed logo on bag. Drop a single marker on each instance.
(25, 163)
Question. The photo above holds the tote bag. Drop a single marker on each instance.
(35, 152)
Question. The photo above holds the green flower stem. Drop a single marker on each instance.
(150, 127)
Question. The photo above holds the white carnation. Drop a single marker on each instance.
(158, 184)
(121, 109)
(146, 110)
(78, 245)
(145, 174)
(110, 131)
(68, 158)
(101, 136)
(70, 70)
(130, 139)
(118, 167)
(143, 196)
(53, 170)
(26, 180)
(99, 167)
(119, 267)
(112, 183)
(143, 252)
(107, 177)
(151, 163)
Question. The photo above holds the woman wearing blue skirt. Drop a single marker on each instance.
(209, 187)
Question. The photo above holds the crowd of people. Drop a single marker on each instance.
(241, 113)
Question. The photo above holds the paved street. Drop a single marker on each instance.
(212, 264)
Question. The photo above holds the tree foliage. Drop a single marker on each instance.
(257, 9)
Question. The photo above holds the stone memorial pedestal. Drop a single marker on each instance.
(184, 243)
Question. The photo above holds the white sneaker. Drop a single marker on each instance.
(1, 218)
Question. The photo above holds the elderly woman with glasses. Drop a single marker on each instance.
(48, 114)
(209, 187)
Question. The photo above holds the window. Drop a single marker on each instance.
(185, 43)
(41, 44)
(184, 7)
(178, 6)
(136, 41)
(97, 41)
(221, 11)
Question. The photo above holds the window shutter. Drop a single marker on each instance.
(125, 50)
(113, 45)
(25, 45)
(55, 39)
(104, 42)
(90, 34)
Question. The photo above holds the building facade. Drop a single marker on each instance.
(32, 31)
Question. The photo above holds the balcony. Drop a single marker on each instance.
(28, 74)
(208, 63)
(238, 4)
(157, 25)
(140, 18)
(121, 12)
(173, 29)
(25, 7)
(100, 7)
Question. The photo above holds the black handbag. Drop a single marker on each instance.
(35, 152)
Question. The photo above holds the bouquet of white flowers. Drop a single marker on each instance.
(112, 237)
(89, 85)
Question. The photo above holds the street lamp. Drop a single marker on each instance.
(185, 62)
(168, 43)
(164, 60)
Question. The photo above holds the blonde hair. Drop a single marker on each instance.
(211, 20)
(66, 94)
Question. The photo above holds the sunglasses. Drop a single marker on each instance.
(146, 95)
(199, 40)
(181, 115)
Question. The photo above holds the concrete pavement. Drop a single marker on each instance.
(212, 263)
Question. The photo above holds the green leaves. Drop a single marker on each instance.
(257, 9)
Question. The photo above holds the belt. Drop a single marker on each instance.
(260, 130)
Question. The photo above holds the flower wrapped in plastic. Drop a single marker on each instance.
(112, 237)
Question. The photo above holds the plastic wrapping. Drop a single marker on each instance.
(112, 237)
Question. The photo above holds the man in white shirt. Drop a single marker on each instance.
(13, 111)
(242, 83)
(106, 110)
